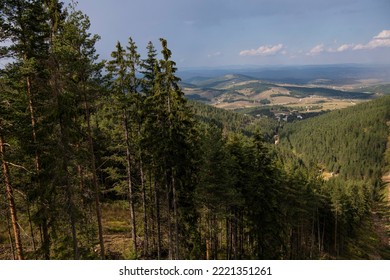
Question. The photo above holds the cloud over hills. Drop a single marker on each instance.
(263, 50)
(317, 50)
(381, 40)
(378, 41)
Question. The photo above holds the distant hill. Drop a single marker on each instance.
(220, 82)
(232, 91)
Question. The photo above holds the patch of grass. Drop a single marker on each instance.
(116, 217)
(117, 227)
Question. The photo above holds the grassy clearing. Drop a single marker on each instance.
(117, 229)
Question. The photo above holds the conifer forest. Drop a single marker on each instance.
(108, 159)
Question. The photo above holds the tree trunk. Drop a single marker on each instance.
(235, 237)
(94, 179)
(11, 242)
(158, 219)
(169, 213)
(144, 202)
(175, 218)
(319, 232)
(228, 243)
(71, 209)
(11, 201)
(42, 204)
(130, 185)
(31, 226)
(144, 206)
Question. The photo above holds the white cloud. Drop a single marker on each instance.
(378, 41)
(317, 50)
(263, 50)
(344, 47)
(381, 40)
(385, 34)
(360, 47)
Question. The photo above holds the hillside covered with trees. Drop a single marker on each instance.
(349, 149)
(108, 159)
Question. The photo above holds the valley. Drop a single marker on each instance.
(256, 96)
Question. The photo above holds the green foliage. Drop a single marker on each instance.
(350, 142)
(301, 92)
(265, 101)
(350, 145)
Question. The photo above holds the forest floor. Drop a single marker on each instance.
(116, 228)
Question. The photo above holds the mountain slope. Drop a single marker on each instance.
(350, 142)
(347, 148)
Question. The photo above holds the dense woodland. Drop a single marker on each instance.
(79, 135)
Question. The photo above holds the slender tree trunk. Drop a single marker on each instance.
(42, 203)
(208, 234)
(158, 219)
(33, 123)
(175, 218)
(11, 201)
(235, 237)
(73, 226)
(152, 215)
(130, 185)
(323, 236)
(31, 226)
(169, 213)
(319, 232)
(11, 241)
(228, 243)
(241, 235)
(71, 208)
(145, 213)
(312, 238)
(94, 178)
(144, 202)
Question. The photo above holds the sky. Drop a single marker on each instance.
(221, 33)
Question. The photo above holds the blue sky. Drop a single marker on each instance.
(216, 33)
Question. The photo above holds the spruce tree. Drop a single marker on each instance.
(124, 83)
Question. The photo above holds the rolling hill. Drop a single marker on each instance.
(235, 91)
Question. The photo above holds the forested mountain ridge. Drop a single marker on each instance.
(349, 148)
(350, 142)
(108, 159)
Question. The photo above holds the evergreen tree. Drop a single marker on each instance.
(123, 72)
(24, 25)
(8, 125)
